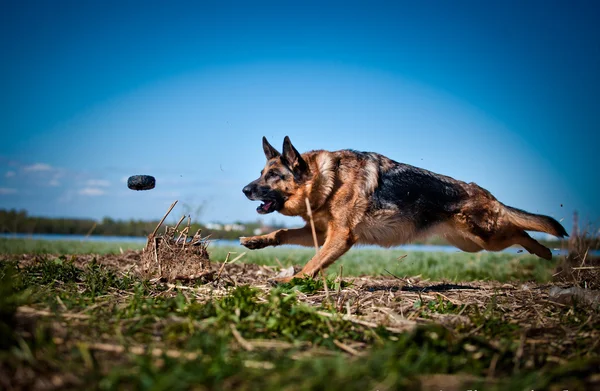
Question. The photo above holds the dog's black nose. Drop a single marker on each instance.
(247, 190)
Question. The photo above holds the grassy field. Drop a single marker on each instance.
(455, 266)
(61, 247)
(67, 321)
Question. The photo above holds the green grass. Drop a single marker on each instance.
(455, 266)
(94, 328)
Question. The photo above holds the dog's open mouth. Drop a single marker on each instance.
(267, 207)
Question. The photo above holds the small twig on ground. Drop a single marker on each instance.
(60, 302)
(519, 352)
(492, 367)
(326, 287)
(455, 302)
(346, 348)
(237, 258)
(238, 337)
(391, 274)
(275, 344)
(279, 263)
(227, 259)
(223, 265)
(32, 311)
(341, 300)
(258, 364)
(137, 350)
(362, 322)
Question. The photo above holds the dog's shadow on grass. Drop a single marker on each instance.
(423, 289)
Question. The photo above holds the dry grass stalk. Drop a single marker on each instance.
(315, 240)
(179, 222)
(225, 262)
(135, 349)
(368, 324)
(341, 274)
(164, 218)
(87, 235)
(157, 352)
(223, 265)
(24, 310)
(238, 337)
(346, 348)
(312, 225)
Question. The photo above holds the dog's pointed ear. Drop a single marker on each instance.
(292, 158)
(270, 152)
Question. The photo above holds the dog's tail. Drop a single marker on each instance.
(533, 222)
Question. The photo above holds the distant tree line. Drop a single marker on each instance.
(13, 221)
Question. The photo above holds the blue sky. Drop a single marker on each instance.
(505, 94)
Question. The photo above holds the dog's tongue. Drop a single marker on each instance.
(264, 208)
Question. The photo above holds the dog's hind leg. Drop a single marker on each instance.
(533, 246)
(493, 232)
(500, 241)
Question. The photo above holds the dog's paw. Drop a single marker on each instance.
(253, 242)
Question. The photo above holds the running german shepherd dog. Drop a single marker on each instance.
(366, 198)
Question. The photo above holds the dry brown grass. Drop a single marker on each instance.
(579, 267)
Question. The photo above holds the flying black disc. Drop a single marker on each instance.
(141, 182)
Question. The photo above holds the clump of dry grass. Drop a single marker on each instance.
(175, 254)
(579, 267)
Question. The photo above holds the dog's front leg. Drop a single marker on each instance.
(261, 241)
(337, 243)
(301, 236)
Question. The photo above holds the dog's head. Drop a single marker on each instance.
(281, 178)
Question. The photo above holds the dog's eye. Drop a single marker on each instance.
(272, 174)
